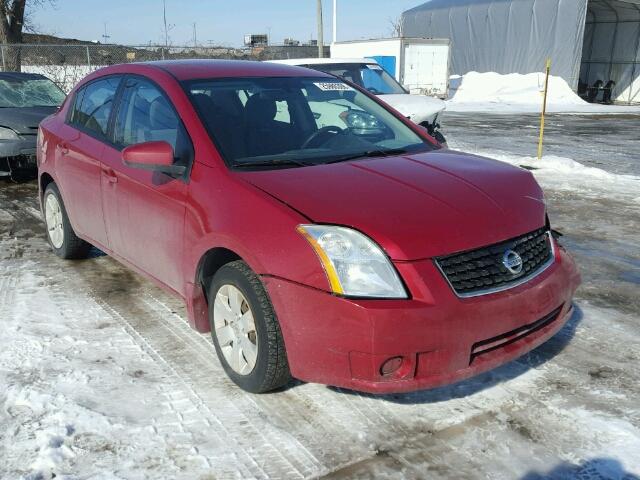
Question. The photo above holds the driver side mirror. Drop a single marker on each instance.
(152, 156)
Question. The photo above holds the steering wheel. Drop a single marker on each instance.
(320, 132)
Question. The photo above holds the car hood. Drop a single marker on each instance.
(418, 108)
(415, 206)
(24, 120)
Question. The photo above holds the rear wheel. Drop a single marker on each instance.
(245, 330)
(63, 240)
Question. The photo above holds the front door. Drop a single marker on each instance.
(144, 211)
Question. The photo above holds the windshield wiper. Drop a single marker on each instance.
(368, 154)
(294, 162)
(272, 162)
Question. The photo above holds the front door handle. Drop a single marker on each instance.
(110, 175)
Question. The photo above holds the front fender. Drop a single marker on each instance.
(232, 214)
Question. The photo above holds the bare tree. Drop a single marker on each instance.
(13, 15)
(395, 26)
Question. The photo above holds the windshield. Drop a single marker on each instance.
(369, 76)
(297, 121)
(40, 92)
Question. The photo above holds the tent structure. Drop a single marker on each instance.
(587, 40)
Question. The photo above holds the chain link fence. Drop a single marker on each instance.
(67, 64)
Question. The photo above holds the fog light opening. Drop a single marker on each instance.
(390, 366)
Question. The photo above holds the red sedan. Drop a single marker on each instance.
(312, 229)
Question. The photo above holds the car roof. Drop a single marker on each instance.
(324, 61)
(15, 76)
(195, 69)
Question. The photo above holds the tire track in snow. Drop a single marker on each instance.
(215, 400)
(8, 282)
(202, 346)
(248, 463)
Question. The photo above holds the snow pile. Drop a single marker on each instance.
(514, 89)
(515, 92)
(567, 174)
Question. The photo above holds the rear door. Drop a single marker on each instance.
(78, 151)
(144, 211)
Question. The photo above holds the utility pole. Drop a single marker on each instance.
(164, 18)
(320, 31)
(105, 37)
(195, 35)
(335, 21)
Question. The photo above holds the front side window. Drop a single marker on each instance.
(146, 115)
(302, 121)
(93, 104)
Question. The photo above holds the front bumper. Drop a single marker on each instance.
(18, 155)
(440, 337)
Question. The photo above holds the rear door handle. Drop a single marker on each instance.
(110, 175)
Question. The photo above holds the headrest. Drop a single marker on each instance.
(260, 109)
(203, 102)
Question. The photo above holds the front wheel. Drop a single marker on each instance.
(63, 240)
(245, 330)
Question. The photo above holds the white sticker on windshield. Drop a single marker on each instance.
(333, 87)
(374, 67)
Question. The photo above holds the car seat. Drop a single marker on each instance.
(264, 134)
(225, 123)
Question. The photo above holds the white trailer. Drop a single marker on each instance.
(421, 65)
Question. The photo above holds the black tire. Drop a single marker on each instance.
(72, 246)
(433, 130)
(440, 138)
(271, 370)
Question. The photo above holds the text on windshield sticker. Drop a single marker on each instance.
(333, 87)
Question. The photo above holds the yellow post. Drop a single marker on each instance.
(544, 108)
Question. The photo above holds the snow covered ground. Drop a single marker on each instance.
(100, 376)
(492, 92)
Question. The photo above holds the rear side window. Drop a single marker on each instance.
(93, 104)
(145, 114)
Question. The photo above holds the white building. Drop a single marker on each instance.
(587, 40)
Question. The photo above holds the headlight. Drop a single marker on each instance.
(7, 134)
(362, 123)
(354, 264)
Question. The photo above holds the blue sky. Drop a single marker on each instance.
(223, 22)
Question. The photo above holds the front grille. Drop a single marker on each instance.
(481, 271)
(491, 344)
